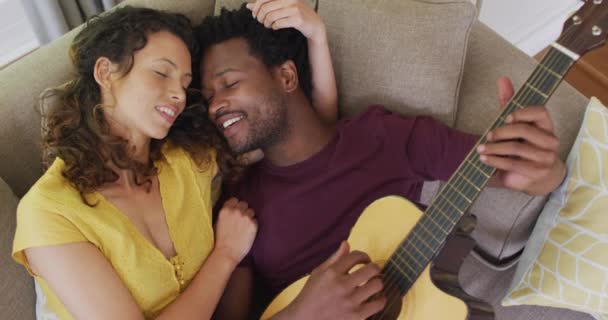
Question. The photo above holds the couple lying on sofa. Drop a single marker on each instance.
(120, 225)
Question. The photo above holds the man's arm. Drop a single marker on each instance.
(236, 302)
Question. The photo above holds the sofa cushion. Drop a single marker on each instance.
(22, 82)
(408, 55)
(17, 287)
(564, 263)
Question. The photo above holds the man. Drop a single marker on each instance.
(316, 178)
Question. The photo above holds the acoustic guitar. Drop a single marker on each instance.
(410, 285)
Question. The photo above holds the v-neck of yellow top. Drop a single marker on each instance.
(159, 164)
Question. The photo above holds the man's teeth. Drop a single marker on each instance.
(166, 110)
(230, 122)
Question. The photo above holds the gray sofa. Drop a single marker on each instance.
(416, 57)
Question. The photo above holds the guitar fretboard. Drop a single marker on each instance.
(442, 216)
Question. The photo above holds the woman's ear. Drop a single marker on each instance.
(288, 75)
(102, 72)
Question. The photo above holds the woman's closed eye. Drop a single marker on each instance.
(232, 84)
(164, 75)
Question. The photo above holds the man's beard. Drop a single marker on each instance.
(269, 129)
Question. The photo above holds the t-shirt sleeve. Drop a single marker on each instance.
(432, 150)
(40, 224)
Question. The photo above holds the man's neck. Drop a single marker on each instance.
(307, 136)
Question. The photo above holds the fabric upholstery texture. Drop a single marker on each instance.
(17, 299)
(565, 262)
(415, 67)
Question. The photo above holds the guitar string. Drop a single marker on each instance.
(463, 185)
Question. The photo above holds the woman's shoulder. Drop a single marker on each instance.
(52, 188)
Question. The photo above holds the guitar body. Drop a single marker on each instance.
(378, 232)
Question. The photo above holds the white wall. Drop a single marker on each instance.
(16, 35)
(531, 25)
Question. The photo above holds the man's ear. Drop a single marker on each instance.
(102, 72)
(287, 74)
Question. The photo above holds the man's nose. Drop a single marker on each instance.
(216, 105)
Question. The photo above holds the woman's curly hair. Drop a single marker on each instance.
(75, 128)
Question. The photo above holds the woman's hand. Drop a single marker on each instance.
(297, 14)
(235, 230)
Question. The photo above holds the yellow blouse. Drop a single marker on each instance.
(52, 213)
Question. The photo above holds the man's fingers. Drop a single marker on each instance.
(372, 307)
(512, 165)
(363, 275)
(535, 115)
(505, 90)
(352, 259)
(518, 149)
(341, 252)
(367, 290)
(527, 132)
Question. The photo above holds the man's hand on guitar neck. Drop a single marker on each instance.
(333, 293)
(524, 151)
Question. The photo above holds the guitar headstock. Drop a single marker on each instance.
(587, 29)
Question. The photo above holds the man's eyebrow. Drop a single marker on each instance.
(223, 72)
(173, 64)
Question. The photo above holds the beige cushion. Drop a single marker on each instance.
(406, 54)
(22, 82)
(565, 263)
(16, 286)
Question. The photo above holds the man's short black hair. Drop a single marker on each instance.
(272, 47)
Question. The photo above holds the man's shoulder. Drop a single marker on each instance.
(375, 117)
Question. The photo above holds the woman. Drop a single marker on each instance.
(119, 226)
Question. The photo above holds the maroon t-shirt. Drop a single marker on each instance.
(305, 210)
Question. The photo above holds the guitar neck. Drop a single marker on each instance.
(440, 219)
